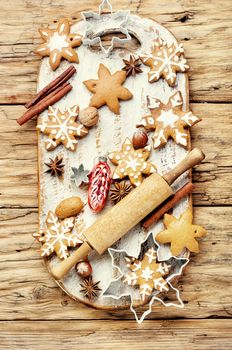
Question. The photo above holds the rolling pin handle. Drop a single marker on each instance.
(62, 268)
(193, 158)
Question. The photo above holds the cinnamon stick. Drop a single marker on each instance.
(53, 85)
(167, 205)
(45, 103)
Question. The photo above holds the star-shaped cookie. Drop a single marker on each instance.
(132, 163)
(168, 120)
(108, 89)
(62, 128)
(59, 43)
(165, 61)
(181, 233)
(147, 273)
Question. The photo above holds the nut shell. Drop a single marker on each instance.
(83, 269)
(69, 207)
(89, 116)
(140, 138)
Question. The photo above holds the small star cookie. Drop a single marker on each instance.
(147, 274)
(108, 89)
(168, 120)
(62, 128)
(132, 163)
(57, 237)
(59, 43)
(181, 233)
(165, 61)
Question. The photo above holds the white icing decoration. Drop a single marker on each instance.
(168, 118)
(167, 60)
(57, 42)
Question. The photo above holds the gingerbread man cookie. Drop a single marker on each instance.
(57, 237)
(165, 61)
(108, 89)
(59, 43)
(168, 120)
(181, 233)
(62, 128)
(147, 274)
(132, 163)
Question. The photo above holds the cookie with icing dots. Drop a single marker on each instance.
(147, 273)
(165, 61)
(108, 89)
(132, 163)
(59, 43)
(181, 233)
(62, 128)
(168, 120)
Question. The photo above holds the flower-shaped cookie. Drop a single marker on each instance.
(108, 89)
(132, 163)
(59, 43)
(181, 233)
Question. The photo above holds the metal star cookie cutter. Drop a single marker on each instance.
(177, 264)
(98, 24)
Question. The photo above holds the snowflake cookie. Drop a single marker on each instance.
(62, 128)
(147, 274)
(168, 120)
(181, 233)
(165, 61)
(132, 163)
(57, 237)
(59, 43)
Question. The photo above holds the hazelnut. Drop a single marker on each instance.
(83, 269)
(140, 138)
(89, 116)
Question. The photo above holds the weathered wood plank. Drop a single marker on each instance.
(18, 157)
(28, 292)
(205, 30)
(183, 334)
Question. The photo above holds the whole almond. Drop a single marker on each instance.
(69, 207)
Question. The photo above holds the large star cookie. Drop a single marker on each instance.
(132, 163)
(181, 233)
(168, 120)
(165, 61)
(59, 43)
(62, 128)
(147, 274)
(57, 237)
(108, 89)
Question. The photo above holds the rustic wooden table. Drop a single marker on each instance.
(34, 313)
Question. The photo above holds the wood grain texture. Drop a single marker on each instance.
(32, 294)
(18, 157)
(27, 292)
(184, 334)
(205, 29)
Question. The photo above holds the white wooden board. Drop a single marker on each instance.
(107, 136)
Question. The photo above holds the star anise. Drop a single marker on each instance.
(132, 66)
(119, 191)
(55, 166)
(90, 289)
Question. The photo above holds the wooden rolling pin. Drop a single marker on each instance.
(115, 223)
